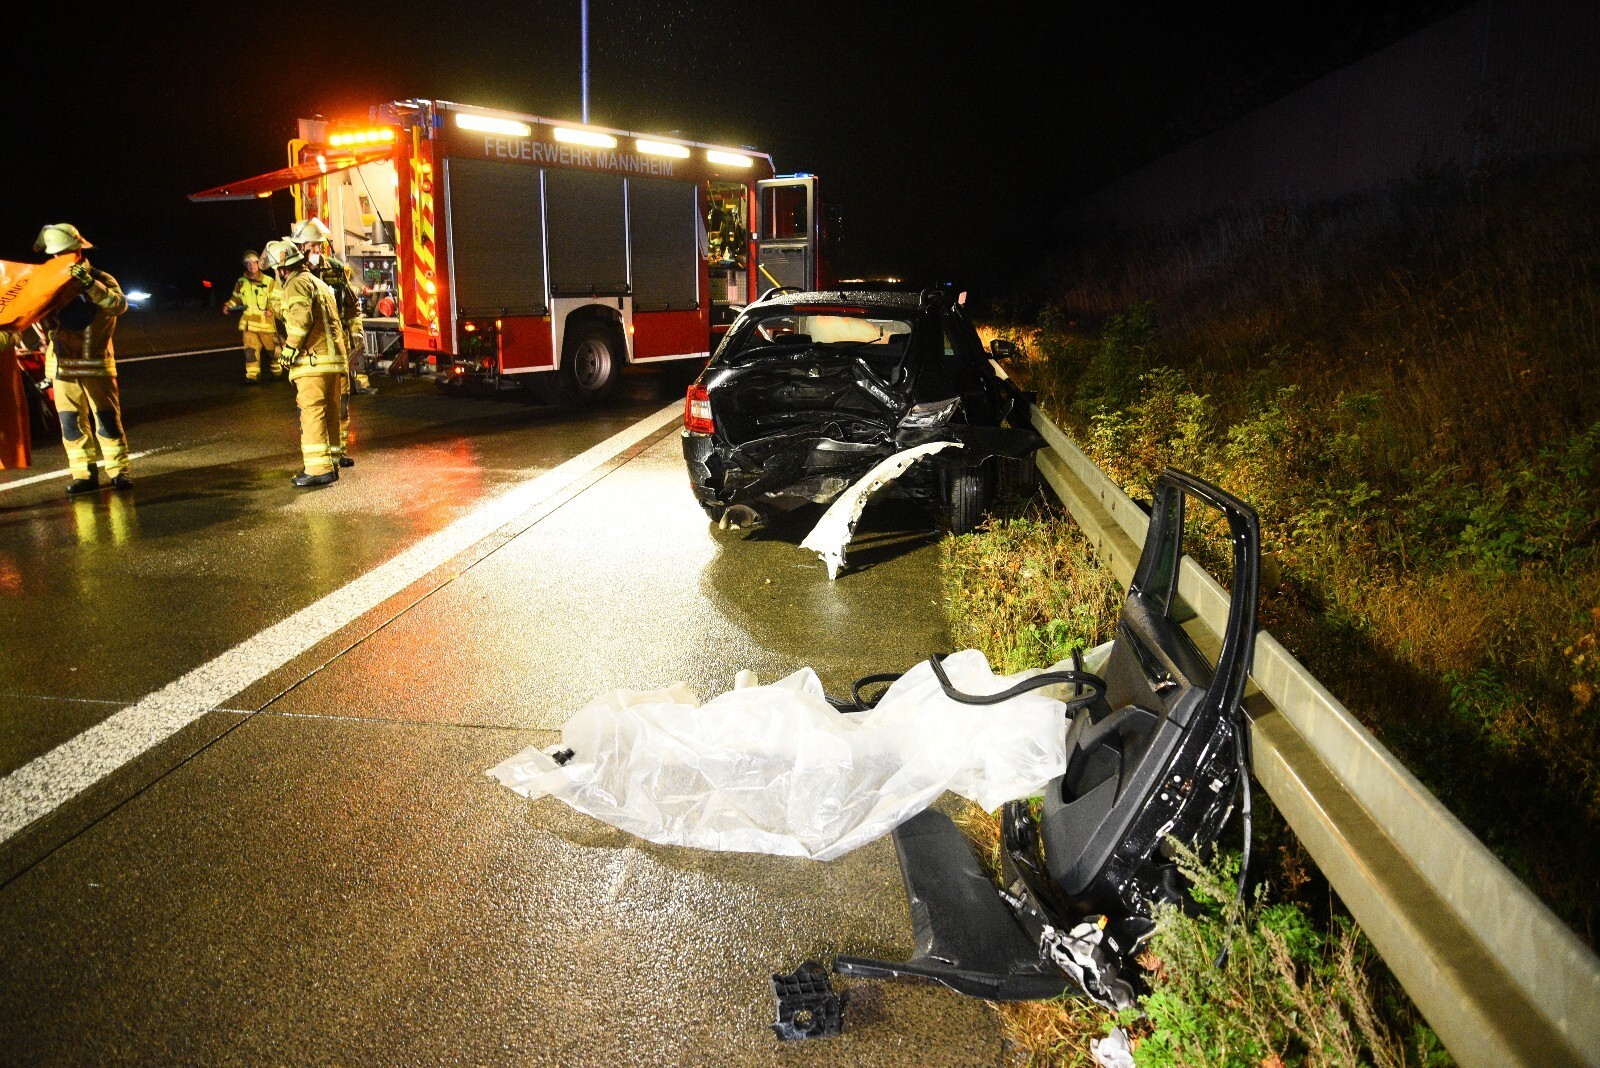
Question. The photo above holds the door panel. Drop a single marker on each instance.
(786, 242)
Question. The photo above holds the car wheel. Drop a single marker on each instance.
(591, 363)
(966, 497)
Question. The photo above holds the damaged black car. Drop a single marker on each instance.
(811, 390)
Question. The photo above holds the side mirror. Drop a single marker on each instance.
(1001, 349)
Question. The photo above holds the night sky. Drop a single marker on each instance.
(949, 135)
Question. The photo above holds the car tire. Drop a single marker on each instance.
(592, 357)
(966, 498)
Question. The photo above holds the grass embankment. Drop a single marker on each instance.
(1407, 387)
(1300, 988)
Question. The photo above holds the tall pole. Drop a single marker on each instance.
(585, 9)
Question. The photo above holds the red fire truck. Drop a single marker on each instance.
(496, 245)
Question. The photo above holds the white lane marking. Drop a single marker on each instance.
(175, 355)
(48, 475)
(45, 783)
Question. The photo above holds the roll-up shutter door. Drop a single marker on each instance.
(588, 233)
(662, 229)
(496, 238)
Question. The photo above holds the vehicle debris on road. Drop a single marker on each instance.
(1138, 745)
(1158, 755)
(831, 536)
(808, 1006)
(779, 769)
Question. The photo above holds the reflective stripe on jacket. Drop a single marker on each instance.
(79, 332)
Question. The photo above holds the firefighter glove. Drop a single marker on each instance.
(286, 357)
(80, 272)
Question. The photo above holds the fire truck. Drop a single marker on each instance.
(503, 248)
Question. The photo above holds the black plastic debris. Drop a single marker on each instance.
(1155, 752)
(807, 1004)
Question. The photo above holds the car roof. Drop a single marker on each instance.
(888, 300)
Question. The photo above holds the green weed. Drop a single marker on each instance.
(1291, 993)
(1027, 592)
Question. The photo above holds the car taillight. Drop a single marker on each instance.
(697, 412)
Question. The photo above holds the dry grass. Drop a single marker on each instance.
(1405, 387)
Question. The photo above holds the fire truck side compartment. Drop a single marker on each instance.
(664, 244)
(588, 233)
(496, 238)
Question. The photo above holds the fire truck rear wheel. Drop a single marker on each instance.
(591, 363)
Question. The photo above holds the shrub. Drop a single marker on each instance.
(1290, 992)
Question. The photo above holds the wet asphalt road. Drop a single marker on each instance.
(316, 870)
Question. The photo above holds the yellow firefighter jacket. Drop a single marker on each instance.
(257, 297)
(79, 332)
(311, 325)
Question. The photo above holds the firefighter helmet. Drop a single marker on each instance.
(309, 232)
(249, 255)
(60, 237)
(284, 253)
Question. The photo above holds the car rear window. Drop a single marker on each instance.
(819, 327)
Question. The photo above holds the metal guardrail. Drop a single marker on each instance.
(1499, 978)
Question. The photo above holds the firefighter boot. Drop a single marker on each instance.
(327, 478)
(122, 481)
(85, 485)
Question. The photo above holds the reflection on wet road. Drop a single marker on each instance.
(315, 868)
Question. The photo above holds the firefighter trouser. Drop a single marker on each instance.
(91, 424)
(260, 352)
(319, 397)
(344, 444)
(355, 334)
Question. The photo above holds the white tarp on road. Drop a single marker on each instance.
(776, 769)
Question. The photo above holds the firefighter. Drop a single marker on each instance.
(81, 361)
(313, 355)
(253, 297)
(313, 236)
